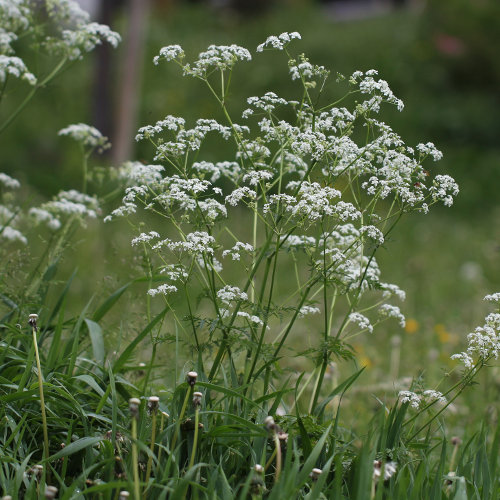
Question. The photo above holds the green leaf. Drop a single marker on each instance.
(125, 355)
(75, 447)
(97, 340)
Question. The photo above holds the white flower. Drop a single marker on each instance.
(230, 294)
(390, 311)
(14, 66)
(144, 237)
(9, 182)
(86, 37)
(362, 321)
(134, 172)
(221, 57)
(86, 135)
(41, 215)
(278, 42)
(169, 53)
(11, 234)
(235, 251)
(162, 290)
(443, 189)
(494, 297)
(305, 310)
(411, 398)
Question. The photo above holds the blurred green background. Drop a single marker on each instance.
(439, 56)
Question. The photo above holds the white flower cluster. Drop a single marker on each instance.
(134, 172)
(304, 70)
(378, 88)
(85, 38)
(14, 66)
(390, 311)
(362, 321)
(9, 214)
(306, 310)
(235, 251)
(217, 57)
(66, 203)
(169, 53)
(162, 290)
(197, 243)
(415, 400)
(66, 29)
(87, 136)
(484, 342)
(278, 42)
(443, 189)
(493, 297)
(9, 182)
(230, 294)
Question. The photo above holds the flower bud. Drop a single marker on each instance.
(51, 492)
(32, 320)
(258, 469)
(124, 495)
(197, 399)
(133, 406)
(153, 404)
(315, 473)
(269, 424)
(191, 378)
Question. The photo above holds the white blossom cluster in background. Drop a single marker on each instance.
(64, 205)
(61, 26)
(89, 137)
(9, 211)
(424, 397)
(484, 342)
(304, 181)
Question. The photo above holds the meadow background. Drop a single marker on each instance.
(440, 58)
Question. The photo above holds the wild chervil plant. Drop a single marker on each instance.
(246, 251)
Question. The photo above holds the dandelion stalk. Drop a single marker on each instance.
(162, 423)
(153, 404)
(32, 321)
(134, 404)
(197, 403)
(191, 378)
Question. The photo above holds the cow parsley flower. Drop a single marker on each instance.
(278, 42)
(9, 182)
(15, 67)
(169, 53)
(87, 136)
(362, 321)
(230, 294)
(162, 290)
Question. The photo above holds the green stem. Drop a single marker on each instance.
(179, 420)
(195, 439)
(135, 460)
(152, 448)
(30, 95)
(42, 399)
